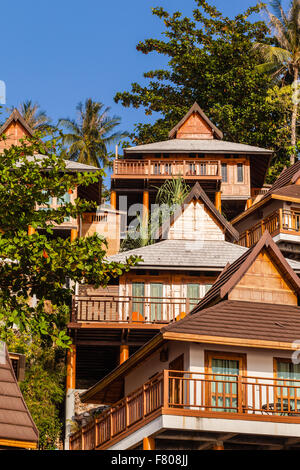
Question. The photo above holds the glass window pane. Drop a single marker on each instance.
(240, 173)
(193, 293)
(224, 172)
(156, 294)
(138, 294)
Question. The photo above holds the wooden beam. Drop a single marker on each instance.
(19, 444)
(74, 234)
(106, 343)
(113, 199)
(148, 443)
(218, 203)
(124, 353)
(71, 368)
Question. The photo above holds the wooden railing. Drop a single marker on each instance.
(194, 394)
(279, 221)
(115, 308)
(167, 168)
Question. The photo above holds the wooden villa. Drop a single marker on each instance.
(277, 211)
(223, 377)
(230, 173)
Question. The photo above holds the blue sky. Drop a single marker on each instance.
(58, 53)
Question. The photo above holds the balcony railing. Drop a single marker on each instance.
(167, 168)
(286, 221)
(118, 309)
(194, 394)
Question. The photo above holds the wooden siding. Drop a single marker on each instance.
(195, 223)
(263, 283)
(107, 224)
(14, 132)
(194, 127)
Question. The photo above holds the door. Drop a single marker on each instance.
(287, 394)
(223, 392)
(156, 300)
(138, 300)
(176, 382)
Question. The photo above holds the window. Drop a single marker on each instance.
(287, 396)
(240, 173)
(222, 386)
(224, 172)
(168, 169)
(176, 382)
(156, 294)
(138, 294)
(202, 169)
(192, 169)
(193, 294)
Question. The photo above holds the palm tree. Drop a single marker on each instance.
(284, 58)
(35, 118)
(88, 137)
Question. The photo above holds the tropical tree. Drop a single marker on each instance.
(87, 138)
(35, 118)
(283, 58)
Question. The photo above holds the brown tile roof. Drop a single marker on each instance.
(16, 423)
(241, 319)
(233, 273)
(197, 193)
(286, 177)
(292, 190)
(196, 108)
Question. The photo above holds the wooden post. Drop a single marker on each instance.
(74, 234)
(124, 353)
(145, 207)
(247, 239)
(218, 446)
(71, 368)
(166, 388)
(31, 230)
(148, 443)
(218, 203)
(113, 199)
(249, 203)
(280, 219)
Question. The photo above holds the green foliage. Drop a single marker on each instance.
(87, 139)
(37, 267)
(211, 61)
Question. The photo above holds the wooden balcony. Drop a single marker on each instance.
(167, 168)
(280, 221)
(196, 395)
(115, 309)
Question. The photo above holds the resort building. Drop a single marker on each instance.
(277, 211)
(226, 376)
(230, 173)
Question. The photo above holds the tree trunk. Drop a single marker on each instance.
(294, 117)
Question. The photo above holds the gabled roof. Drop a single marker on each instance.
(287, 176)
(17, 428)
(16, 116)
(232, 274)
(196, 109)
(198, 194)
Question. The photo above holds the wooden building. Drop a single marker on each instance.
(108, 325)
(277, 211)
(17, 429)
(16, 128)
(226, 376)
(230, 173)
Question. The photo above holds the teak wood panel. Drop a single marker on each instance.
(264, 283)
(194, 127)
(14, 132)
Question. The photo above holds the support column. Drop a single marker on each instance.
(124, 353)
(74, 234)
(249, 203)
(113, 199)
(145, 207)
(148, 443)
(70, 393)
(218, 204)
(218, 446)
(31, 230)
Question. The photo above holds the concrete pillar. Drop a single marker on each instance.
(70, 393)
(218, 203)
(113, 199)
(74, 234)
(148, 443)
(124, 353)
(31, 230)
